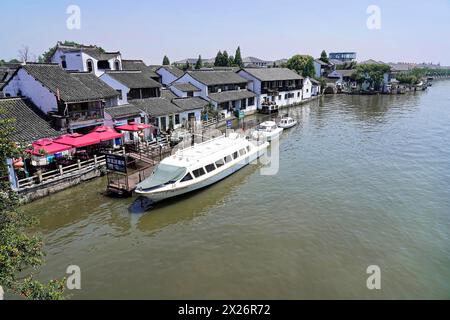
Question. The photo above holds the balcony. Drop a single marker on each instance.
(85, 118)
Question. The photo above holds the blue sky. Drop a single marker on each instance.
(413, 31)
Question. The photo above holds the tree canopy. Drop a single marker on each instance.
(302, 64)
(166, 61)
(199, 63)
(324, 57)
(238, 58)
(20, 250)
(371, 73)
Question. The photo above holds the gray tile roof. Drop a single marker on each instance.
(168, 94)
(314, 81)
(193, 103)
(273, 74)
(157, 107)
(123, 111)
(94, 51)
(30, 125)
(133, 79)
(91, 81)
(173, 70)
(233, 95)
(139, 65)
(211, 78)
(186, 87)
(57, 79)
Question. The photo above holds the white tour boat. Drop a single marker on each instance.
(269, 130)
(200, 166)
(287, 123)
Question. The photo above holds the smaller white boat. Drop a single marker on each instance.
(287, 123)
(268, 130)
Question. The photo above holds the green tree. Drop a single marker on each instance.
(199, 63)
(219, 59)
(231, 62)
(166, 61)
(324, 57)
(370, 73)
(238, 58)
(187, 66)
(303, 65)
(20, 251)
(226, 59)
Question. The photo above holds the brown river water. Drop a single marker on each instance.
(363, 180)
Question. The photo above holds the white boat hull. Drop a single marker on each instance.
(156, 196)
(288, 126)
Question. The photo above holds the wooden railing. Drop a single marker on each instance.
(43, 177)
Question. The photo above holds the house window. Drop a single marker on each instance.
(90, 65)
(298, 95)
(190, 94)
(279, 97)
(63, 62)
(251, 101)
(243, 104)
(177, 119)
(163, 122)
(286, 96)
(103, 65)
(117, 65)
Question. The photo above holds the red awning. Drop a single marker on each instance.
(104, 133)
(77, 140)
(133, 127)
(48, 147)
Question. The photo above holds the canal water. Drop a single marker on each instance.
(363, 180)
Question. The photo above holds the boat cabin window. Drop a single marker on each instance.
(210, 168)
(248, 148)
(187, 177)
(199, 172)
(227, 159)
(242, 152)
(235, 155)
(220, 163)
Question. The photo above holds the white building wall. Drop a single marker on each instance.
(29, 87)
(307, 89)
(116, 85)
(187, 78)
(166, 77)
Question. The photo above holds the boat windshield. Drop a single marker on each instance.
(163, 174)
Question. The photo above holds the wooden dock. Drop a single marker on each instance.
(138, 162)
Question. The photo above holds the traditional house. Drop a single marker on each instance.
(139, 65)
(30, 125)
(169, 74)
(185, 90)
(131, 85)
(279, 86)
(256, 62)
(92, 82)
(307, 89)
(323, 69)
(192, 109)
(160, 112)
(316, 89)
(226, 91)
(68, 99)
(86, 58)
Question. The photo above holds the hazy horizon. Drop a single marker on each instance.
(272, 30)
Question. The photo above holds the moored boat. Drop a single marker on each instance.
(200, 166)
(287, 123)
(268, 130)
